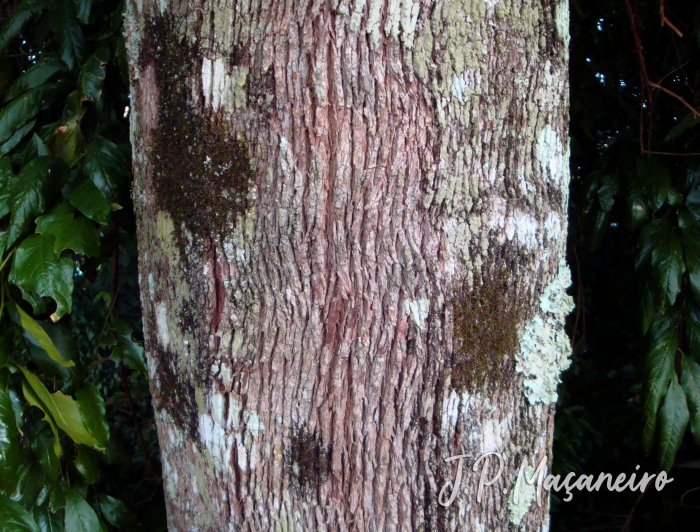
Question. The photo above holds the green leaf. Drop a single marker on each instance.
(84, 7)
(35, 186)
(673, 419)
(92, 408)
(606, 193)
(69, 35)
(681, 127)
(86, 464)
(16, 137)
(36, 268)
(107, 167)
(652, 235)
(67, 141)
(691, 246)
(638, 207)
(47, 520)
(92, 76)
(30, 482)
(25, 107)
(6, 178)
(39, 335)
(91, 201)
(64, 411)
(35, 76)
(41, 148)
(690, 380)
(116, 512)
(56, 220)
(80, 517)
(9, 443)
(126, 350)
(57, 498)
(14, 518)
(655, 179)
(68, 349)
(659, 371)
(13, 25)
(33, 399)
(81, 236)
(42, 445)
(668, 267)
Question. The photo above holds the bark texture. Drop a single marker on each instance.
(330, 194)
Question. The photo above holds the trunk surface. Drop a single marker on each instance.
(352, 220)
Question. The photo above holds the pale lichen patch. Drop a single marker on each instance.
(417, 310)
(545, 347)
(526, 496)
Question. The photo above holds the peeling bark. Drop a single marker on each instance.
(319, 186)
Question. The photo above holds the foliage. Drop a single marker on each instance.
(635, 250)
(78, 450)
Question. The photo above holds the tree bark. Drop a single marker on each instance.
(351, 221)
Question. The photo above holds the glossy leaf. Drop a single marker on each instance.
(39, 335)
(668, 267)
(673, 420)
(47, 520)
(80, 517)
(63, 409)
(37, 269)
(25, 107)
(92, 76)
(14, 518)
(116, 512)
(107, 167)
(690, 381)
(33, 399)
(655, 179)
(81, 236)
(6, 178)
(16, 137)
(86, 464)
(42, 445)
(91, 201)
(67, 141)
(43, 71)
(92, 408)
(69, 35)
(36, 184)
(126, 350)
(9, 443)
(652, 235)
(659, 371)
(12, 26)
(30, 482)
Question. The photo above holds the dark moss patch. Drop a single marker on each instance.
(201, 166)
(307, 461)
(486, 320)
(175, 393)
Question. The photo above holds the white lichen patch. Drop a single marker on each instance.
(551, 155)
(450, 411)
(526, 496)
(545, 347)
(562, 21)
(417, 310)
(221, 89)
(162, 325)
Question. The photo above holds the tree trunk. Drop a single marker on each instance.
(351, 220)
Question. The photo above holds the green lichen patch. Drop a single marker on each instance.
(486, 320)
(307, 461)
(201, 166)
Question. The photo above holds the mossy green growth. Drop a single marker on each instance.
(486, 320)
(201, 166)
